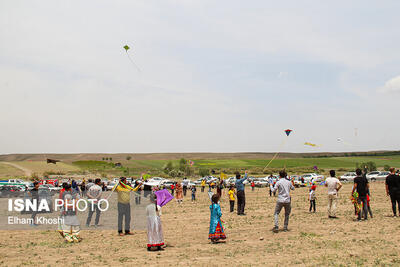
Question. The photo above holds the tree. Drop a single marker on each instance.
(110, 159)
(182, 164)
(366, 166)
(204, 172)
(128, 158)
(188, 171)
(386, 167)
(168, 167)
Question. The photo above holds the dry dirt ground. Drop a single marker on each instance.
(313, 239)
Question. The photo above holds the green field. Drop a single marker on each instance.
(256, 166)
(155, 167)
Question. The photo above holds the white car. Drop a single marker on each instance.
(297, 181)
(348, 177)
(211, 179)
(381, 176)
(312, 178)
(50, 187)
(110, 185)
(165, 181)
(198, 181)
(155, 181)
(372, 175)
(230, 181)
(261, 182)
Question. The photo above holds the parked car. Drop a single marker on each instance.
(261, 182)
(372, 175)
(229, 181)
(348, 177)
(110, 185)
(210, 179)
(298, 182)
(51, 187)
(10, 191)
(168, 183)
(155, 181)
(312, 178)
(381, 176)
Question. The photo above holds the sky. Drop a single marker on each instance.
(215, 76)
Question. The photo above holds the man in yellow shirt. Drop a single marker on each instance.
(203, 185)
(232, 194)
(124, 206)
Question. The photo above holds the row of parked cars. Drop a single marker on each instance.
(372, 176)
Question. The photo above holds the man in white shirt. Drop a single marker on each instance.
(283, 186)
(333, 185)
(94, 193)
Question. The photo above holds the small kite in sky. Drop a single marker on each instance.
(288, 131)
(311, 144)
(126, 47)
(340, 140)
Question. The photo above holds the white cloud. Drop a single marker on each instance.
(391, 86)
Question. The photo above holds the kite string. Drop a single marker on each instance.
(276, 154)
(132, 61)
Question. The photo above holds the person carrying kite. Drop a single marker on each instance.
(155, 235)
(124, 206)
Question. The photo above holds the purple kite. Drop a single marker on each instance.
(163, 197)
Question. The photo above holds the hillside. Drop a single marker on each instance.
(174, 156)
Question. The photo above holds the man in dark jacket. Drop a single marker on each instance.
(393, 189)
(361, 185)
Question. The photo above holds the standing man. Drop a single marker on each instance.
(185, 183)
(393, 189)
(89, 184)
(241, 197)
(284, 200)
(361, 185)
(124, 206)
(271, 184)
(94, 194)
(203, 185)
(334, 186)
(35, 195)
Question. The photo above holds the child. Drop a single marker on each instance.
(231, 194)
(172, 189)
(70, 223)
(253, 185)
(193, 192)
(216, 232)
(312, 197)
(179, 193)
(154, 228)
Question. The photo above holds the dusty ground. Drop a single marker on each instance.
(313, 239)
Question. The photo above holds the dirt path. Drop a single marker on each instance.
(25, 170)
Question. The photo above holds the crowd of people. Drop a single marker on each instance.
(282, 187)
